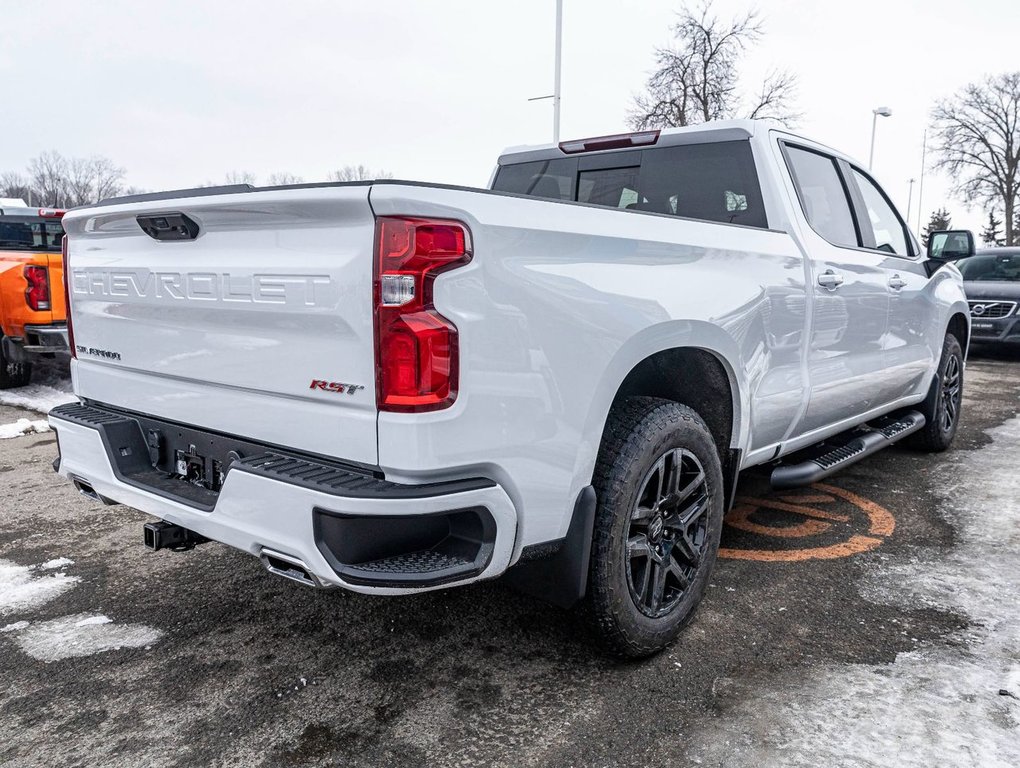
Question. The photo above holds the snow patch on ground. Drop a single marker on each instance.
(21, 590)
(23, 427)
(59, 562)
(38, 397)
(15, 627)
(82, 634)
(951, 704)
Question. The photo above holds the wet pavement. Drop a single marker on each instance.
(870, 620)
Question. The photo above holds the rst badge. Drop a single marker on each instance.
(337, 387)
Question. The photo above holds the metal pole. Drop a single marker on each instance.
(559, 58)
(910, 196)
(871, 156)
(920, 186)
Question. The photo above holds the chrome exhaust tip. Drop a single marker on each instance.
(288, 567)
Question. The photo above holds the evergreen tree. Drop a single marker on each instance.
(992, 233)
(940, 220)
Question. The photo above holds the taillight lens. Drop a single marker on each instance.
(416, 347)
(67, 297)
(37, 294)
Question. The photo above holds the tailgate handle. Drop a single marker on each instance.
(168, 226)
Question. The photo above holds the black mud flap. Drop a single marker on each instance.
(557, 572)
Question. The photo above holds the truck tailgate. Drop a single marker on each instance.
(237, 329)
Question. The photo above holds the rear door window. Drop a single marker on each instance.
(823, 197)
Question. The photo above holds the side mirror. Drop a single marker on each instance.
(950, 245)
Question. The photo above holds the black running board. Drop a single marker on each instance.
(862, 446)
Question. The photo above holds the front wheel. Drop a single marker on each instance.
(942, 407)
(657, 527)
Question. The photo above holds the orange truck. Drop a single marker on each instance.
(33, 315)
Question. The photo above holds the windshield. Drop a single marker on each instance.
(992, 267)
(30, 233)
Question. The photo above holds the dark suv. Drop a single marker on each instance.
(992, 282)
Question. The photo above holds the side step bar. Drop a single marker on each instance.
(813, 470)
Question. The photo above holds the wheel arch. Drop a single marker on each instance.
(959, 326)
(693, 348)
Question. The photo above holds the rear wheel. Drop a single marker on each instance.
(657, 527)
(942, 408)
(13, 374)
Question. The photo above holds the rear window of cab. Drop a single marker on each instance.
(711, 182)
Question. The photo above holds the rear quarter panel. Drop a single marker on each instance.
(558, 305)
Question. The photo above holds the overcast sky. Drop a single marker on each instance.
(181, 93)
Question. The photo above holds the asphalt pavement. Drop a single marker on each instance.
(870, 620)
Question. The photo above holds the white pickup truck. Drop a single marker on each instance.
(395, 387)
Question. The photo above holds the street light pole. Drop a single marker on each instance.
(884, 112)
(910, 197)
(559, 59)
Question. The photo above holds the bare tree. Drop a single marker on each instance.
(79, 187)
(358, 173)
(109, 178)
(282, 178)
(697, 79)
(48, 177)
(239, 177)
(16, 186)
(977, 142)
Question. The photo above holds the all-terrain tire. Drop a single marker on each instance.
(13, 374)
(942, 407)
(642, 433)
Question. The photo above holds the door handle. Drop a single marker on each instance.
(829, 279)
(896, 282)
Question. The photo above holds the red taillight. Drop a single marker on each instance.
(67, 297)
(416, 347)
(37, 294)
(52, 213)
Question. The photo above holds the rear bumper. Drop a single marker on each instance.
(366, 543)
(37, 339)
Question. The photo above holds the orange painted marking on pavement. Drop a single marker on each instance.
(882, 521)
(739, 518)
(795, 508)
(853, 546)
(819, 498)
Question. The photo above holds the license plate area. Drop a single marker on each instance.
(178, 462)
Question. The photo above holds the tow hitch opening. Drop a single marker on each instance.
(164, 535)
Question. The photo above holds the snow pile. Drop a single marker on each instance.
(952, 704)
(39, 397)
(21, 590)
(59, 562)
(50, 387)
(23, 427)
(81, 634)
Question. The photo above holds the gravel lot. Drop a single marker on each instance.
(900, 649)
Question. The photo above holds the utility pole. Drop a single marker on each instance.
(920, 186)
(910, 196)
